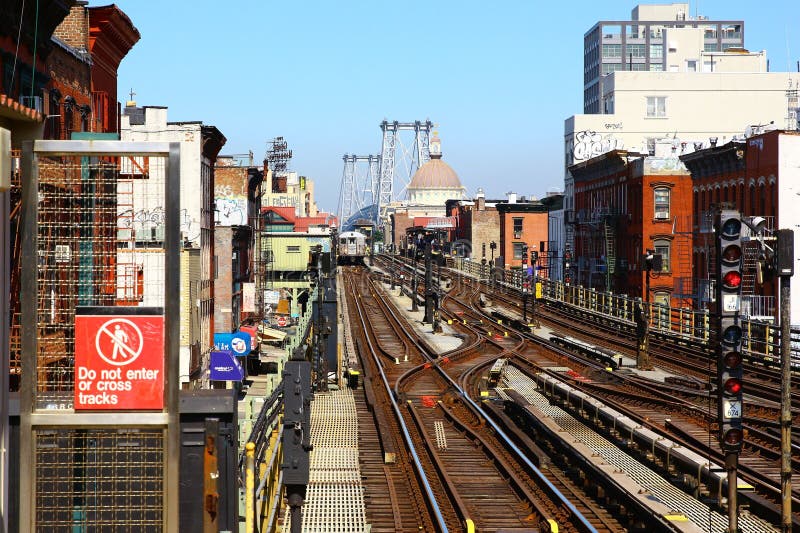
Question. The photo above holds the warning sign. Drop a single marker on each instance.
(119, 358)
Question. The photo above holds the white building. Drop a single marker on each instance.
(200, 145)
(691, 109)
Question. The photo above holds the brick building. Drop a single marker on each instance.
(111, 36)
(521, 223)
(237, 202)
(477, 226)
(627, 203)
(757, 176)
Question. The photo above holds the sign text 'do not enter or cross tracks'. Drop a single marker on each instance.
(119, 358)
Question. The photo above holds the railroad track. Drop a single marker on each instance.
(443, 437)
(758, 462)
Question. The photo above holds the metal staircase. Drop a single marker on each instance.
(610, 232)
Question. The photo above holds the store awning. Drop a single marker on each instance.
(269, 334)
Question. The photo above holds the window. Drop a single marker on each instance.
(711, 47)
(293, 249)
(638, 67)
(691, 65)
(608, 68)
(636, 50)
(662, 247)
(656, 106)
(656, 67)
(612, 50)
(517, 228)
(518, 250)
(656, 51)
(661, 200)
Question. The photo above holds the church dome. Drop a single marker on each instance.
(435, 174)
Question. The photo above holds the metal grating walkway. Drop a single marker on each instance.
(697, 513)
(335, 498)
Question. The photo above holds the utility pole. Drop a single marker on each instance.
(492, 247)
(785, 269)
(414, 305)
(429, 292)
(641, 315)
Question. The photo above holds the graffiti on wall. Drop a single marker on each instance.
(231, 207)
(588, 144)
(148, 224)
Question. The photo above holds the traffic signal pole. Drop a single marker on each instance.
(728, 228)
(785, 269)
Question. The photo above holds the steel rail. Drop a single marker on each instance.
(437, 512)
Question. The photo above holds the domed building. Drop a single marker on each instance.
(430, 188)
(435, 182)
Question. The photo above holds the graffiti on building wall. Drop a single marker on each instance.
(231, 211)
(147, 224)
(231, 206)
(588, 144)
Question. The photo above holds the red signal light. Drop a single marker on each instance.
(732, 279)
(733, 386)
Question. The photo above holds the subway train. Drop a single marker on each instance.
(352, 248)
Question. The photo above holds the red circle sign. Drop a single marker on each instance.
(281, 321)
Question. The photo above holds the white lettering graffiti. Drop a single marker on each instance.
(589, 144)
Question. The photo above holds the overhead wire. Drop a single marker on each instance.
(16, 52)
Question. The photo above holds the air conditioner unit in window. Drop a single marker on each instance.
(662, 216)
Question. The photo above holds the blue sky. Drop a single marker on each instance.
(497, 78)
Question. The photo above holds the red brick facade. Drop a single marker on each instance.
(627, 204)
(521, 223)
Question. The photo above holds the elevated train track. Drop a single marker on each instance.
(442, 426)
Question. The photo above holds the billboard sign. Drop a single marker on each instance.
(225, 366)
(239, 343)
(119, 358)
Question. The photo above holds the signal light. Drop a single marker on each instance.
(732, 280)
(731, 253)
(733, 386)
(731, 227)
(733, 438)
(728, 225)
(732, 335)
(732, 359)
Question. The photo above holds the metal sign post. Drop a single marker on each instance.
(5, 274)
(78, 200)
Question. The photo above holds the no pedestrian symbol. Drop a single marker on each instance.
(119, 358)
(119, 342)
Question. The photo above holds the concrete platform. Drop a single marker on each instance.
(682, 511)
(440, 342)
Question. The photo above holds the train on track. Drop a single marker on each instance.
(608, 357)
(352, 248)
